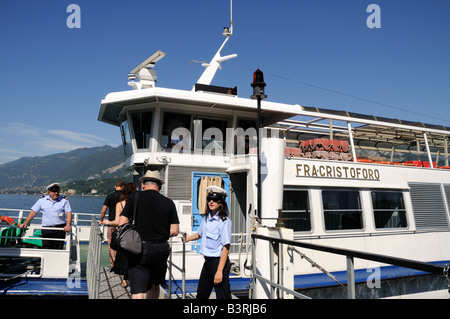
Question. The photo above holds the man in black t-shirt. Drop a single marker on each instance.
(156, 222)
(110, 204)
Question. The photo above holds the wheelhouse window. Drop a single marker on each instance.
(126, 139)
(389, 209)
(213, 133)
(245, 137)
(142, 127)
(342, 209)
(296, 212)
(176, 129)
(187, 132)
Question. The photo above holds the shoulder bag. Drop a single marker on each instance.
(126, 237)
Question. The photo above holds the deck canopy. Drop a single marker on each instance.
(368, 131)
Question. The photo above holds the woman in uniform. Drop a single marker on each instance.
(215, 231)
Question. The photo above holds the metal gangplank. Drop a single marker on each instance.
(102, 284)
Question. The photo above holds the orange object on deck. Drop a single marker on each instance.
(6, 219)
(414, 163)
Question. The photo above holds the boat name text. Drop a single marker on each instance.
(340, 172)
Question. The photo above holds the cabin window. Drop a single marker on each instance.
(213, 133)
(245, 140)
(296, 212)
(176, 130)
(342, 209)
(207, 134)
(142, 127)
(126, 139)
(389, 209)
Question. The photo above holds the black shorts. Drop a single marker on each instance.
(150, 269)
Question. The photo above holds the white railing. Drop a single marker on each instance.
(94, 259)
(181, 268)
(17, 243)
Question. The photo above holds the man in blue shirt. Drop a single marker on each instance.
(56, 213)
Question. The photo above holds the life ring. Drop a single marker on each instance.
(6, 219)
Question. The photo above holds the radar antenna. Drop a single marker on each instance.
(216, 62)
(145, 72)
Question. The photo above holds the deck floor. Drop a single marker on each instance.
(110, 287)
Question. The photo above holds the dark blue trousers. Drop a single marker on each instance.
(206, 281)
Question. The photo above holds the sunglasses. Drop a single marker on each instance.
(212, 198)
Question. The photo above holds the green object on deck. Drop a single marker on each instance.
(11, 232)
(37, 242)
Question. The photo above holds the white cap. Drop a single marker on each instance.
(52, 185)
(215, 190)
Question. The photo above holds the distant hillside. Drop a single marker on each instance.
(88, 165)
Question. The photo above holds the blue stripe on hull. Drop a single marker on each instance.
(237, 285)
(361, 275)
(44, 287)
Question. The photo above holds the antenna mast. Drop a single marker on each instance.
(211, 67)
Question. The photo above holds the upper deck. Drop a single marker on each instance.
(210, 125)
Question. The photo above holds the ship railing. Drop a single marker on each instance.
(18, 215)
(35, 225)
(178, 247)
(93, 264)
(182, 268)
(23, 243)
(80, 221)
(275, 247)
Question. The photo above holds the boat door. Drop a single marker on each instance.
(200, 181)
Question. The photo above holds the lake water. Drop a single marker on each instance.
(79, 204)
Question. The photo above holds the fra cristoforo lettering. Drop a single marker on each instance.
(339, 171)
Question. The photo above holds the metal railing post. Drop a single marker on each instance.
(350, 278)
(182, 269)
(271, 263)
(93, 260)
(170, 269)
(251, 293)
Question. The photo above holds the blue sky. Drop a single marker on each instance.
(314, 53)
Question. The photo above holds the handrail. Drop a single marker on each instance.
(94, 259)
(402, 262)
(350, 254)
(182, 269)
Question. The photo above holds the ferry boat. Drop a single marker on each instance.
(336, 178)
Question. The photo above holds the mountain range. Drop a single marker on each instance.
(84, 166)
